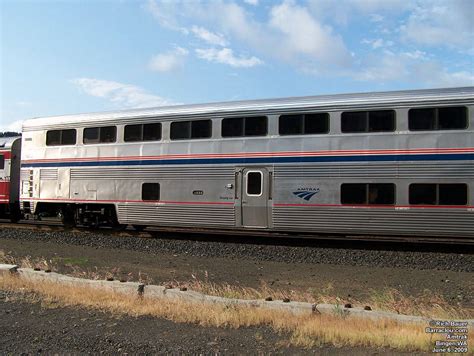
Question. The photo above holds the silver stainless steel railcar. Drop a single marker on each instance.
(392, 163)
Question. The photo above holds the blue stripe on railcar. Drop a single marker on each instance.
(260, 160)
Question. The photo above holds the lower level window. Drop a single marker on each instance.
(438, 194)
(151, 191)
(368, 193)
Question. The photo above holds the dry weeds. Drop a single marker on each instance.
(305, 331)
(428, 304)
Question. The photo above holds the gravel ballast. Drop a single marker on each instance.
(412, 259)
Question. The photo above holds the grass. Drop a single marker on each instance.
(305, 331)
(70, 261)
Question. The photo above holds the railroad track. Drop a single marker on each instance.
(418, 243)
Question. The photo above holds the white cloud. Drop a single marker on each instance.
(168, 61)
(299, 34)
(413, 67)
(22, 103)
(124, 95)
(302, 34)
(441, 23)
(291, 33)
(416, 54)
(226, 56)
(376, 18)
(378, 43)
(14, 126)
(251, 2)
(208, 36)
(433, 74)
(343, 11)
(162, 10)
(370, 6)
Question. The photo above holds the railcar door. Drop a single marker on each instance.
(62, 190)
(255, 196)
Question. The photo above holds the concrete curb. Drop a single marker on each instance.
(160, 292)
(4, 268)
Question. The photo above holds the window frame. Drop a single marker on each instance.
(437, 194)
(247, 183)
(142, 132)
(61, 138)
(244, 125)
(303, 122)
(99, 135)
(367, 187)
(367, 121)
(189, 130)
(159, 191)
(436, 119)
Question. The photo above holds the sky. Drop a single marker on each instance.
(66, 57)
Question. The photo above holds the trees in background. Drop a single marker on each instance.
(9, 134)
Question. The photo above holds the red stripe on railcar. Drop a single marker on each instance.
(162, 202)
(263, 154)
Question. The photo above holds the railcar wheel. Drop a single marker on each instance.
(119, 227)
(14, 218)
(68, 218)
(139, 227)
(15, 215)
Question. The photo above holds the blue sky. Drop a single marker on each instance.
(62, 57)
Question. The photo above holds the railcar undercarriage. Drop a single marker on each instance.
(90, 215)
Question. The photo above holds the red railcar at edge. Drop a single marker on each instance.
(10, 154)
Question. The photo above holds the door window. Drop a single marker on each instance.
(254, 183)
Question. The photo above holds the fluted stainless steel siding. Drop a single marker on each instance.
(48, 174)
(173, 215)
(153, 173)
(393, 170)
(442, 222)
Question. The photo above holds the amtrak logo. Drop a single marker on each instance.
(306, 193)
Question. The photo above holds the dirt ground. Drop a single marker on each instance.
(30, 328)
(348, 282)
(34, 328)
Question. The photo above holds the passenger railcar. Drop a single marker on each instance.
(10, 154)
(392, 163)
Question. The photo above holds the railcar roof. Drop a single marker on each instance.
(318, 102)
(7, 142)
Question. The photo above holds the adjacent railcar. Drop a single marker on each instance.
(10, 153)
(392, 163)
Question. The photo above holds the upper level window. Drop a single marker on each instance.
(142, 132)
(150, 191)
(363, 193)
(105, 134)
(244, 126)
(183, 130)
(368, 121)
(61, 137)
(2, 162)
(438, 194)
(447, 118)
(304, 124)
